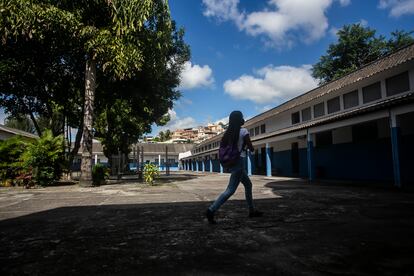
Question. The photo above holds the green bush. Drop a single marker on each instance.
(11, 165)
(151, 172)
(45, 159)
(99, 173)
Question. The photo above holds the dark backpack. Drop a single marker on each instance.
(229, 155)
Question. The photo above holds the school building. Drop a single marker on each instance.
(160, 154)
(359, 128)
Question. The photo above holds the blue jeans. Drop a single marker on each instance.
(238, 174)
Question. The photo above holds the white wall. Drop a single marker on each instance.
(283, 120)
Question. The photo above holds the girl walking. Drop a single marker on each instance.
(237, 137)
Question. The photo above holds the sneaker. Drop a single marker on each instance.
(210, 217)
(255, 214)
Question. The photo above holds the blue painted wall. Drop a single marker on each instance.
(361, 161)
(349, 161)
(207, 165)
(216, 165)
(282, 163)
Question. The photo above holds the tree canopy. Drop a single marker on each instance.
(356, 46)
(146, 97)
(41, 72)
(133, 55)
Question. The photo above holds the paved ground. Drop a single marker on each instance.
(133, 229)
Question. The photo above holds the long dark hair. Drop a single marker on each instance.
(231, 136)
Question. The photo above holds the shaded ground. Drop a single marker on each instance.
(133, 229)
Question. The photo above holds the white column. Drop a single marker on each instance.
(360, 96)
(383, 89)
(96, 159)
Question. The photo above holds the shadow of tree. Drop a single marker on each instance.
(307, 231)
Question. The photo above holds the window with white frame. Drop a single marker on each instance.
(295, 118)
(333, 105)
(351, 99)
(371, 92)
(306, 114)
(251, 132)
(319, 110)
(397, 84)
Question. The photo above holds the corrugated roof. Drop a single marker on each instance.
(385, 63)
(18, 132)
(409, 97)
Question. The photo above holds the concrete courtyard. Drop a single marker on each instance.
(134, 229)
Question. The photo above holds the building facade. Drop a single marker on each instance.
(159, 154)
(359, 127)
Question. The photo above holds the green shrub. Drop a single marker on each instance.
(11, 165)
(151, 172)
(99, 173)
(45, 159)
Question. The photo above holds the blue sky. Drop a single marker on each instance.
(254, 55)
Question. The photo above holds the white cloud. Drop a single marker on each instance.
(283, 22)
(272, 84)
(363, 23)
(398, 7)
(224, 120)
(195, 76)
(345, 3)
(177, 122)
(223, 10)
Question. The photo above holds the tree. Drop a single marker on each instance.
(45, 43)
(111, 46)
(41, 70)
(11, 151)
(102, 31)
(44, 158)
(164, 136)
(161, 136)
(356, 46)
(134, 104)
(23, 123)
(167, 135)
(399, 39)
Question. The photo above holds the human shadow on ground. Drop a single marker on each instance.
(305, 231)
